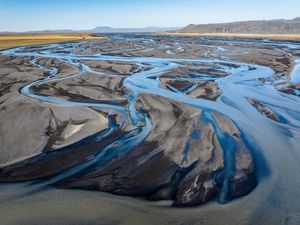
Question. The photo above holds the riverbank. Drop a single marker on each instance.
(283, 37)
(15, 40)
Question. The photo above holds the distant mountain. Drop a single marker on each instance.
(52, 31)
(131, 30)
(279, 26)
(106, 29)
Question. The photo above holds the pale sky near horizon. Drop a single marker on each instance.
(28, 15)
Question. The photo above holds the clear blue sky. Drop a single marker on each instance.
(25, 15)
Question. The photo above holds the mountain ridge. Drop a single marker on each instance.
(102, 29)
(276, 26)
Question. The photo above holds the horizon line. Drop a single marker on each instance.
(143, 27)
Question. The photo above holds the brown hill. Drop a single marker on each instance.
(280, 26)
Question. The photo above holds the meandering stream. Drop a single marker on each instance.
(274, 145)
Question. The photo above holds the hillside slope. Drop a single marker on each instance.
(247, 27)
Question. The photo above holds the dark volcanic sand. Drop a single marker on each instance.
(170, 121)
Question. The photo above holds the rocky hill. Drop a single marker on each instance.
(279, 26)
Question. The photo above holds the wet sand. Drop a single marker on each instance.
(106, 123)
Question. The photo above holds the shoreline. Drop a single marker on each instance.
(282, 37)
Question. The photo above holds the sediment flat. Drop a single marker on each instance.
(283, 37)
(166, 129)
(14, 40)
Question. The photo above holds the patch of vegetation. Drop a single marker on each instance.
(15, 40)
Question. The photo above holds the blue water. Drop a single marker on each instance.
(274, 145)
